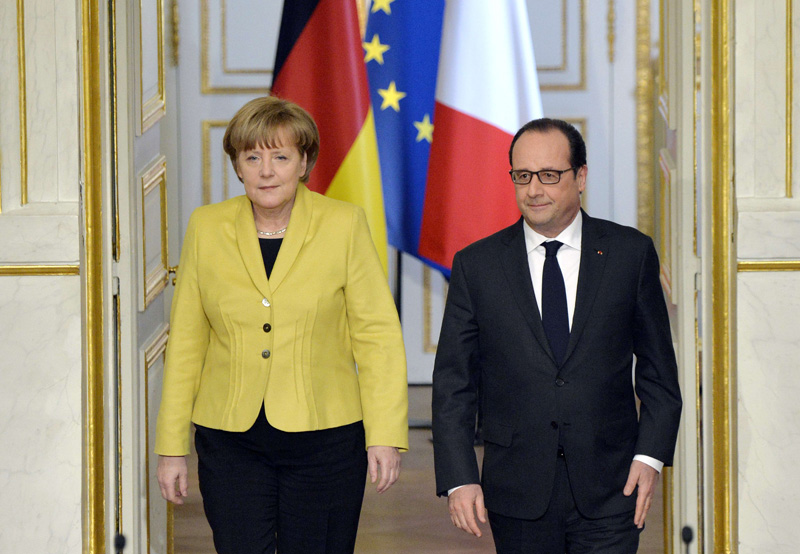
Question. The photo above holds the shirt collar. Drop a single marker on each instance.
(571, 236)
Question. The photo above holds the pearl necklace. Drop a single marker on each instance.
(271, 233)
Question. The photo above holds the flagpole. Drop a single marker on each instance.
(398, 285)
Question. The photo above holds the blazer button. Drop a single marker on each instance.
(559, 382)
(265, 354)
(554, 425)
(265, 302)
(267, 327)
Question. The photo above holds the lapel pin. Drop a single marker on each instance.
(600, 252)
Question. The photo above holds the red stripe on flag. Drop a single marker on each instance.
(325, 74)
(469, 194)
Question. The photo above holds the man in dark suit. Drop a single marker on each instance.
(542, 324)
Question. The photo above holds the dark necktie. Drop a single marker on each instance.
(554, 302)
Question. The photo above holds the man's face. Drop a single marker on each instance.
(548, 209)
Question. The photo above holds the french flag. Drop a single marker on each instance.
(486, 90)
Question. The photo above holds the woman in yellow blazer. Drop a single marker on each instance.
(285, 351)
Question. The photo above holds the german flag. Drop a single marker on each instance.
(320, 66)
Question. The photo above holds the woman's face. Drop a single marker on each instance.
(271, 175)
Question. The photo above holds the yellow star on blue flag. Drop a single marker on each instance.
(391, 97)
(385, 5)
(424, 129)
(375, 50)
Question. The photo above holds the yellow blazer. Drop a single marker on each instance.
(318, 343)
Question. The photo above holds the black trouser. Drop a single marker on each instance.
(563, 529)
(299, 491)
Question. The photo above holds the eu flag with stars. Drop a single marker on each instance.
(401, 52)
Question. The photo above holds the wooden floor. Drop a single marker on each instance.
(409, 518)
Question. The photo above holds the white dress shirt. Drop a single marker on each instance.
(569, 260)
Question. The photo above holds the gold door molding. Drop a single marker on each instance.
(723, 325)
(92, 46)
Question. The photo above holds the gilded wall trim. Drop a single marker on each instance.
(152, 109)
(224, 46)
(176, 34)
(94, 532)
(152, 352)
(582, 124)
(206, 148)
(723, 374)
(698, 389)
(117, 409)
(115, 239)
(39, 270)
(696, 17)
(23, 109)
(428, 346)
(563, 66)
(205, 80)
(581, 84)
(668, 502)
(698, 345)
(156, 279)
(663, 101)
(611, 32)
(644, 121)
(768, 265)
(789, 96)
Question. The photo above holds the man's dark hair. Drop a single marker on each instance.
(577, 148)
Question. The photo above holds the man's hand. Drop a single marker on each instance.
(464, 503)
(645, 478)
(172, 471)
(387, 460)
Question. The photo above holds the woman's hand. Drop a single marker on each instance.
(386, 460)
(173, 478)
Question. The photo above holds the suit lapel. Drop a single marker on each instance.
(515, 265)
(296, 236)
(249, 249)
(594, 252)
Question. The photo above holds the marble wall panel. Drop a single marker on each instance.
(9, 107)
(768, 414)
(34, 238)
(744, 99)
(769, 136)
(41, 97)
(40, 414)
(67, 101)
(768, 235)
(760, 99)
(50, 146)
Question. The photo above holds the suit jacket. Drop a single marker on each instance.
(493, 353)
(291, 342)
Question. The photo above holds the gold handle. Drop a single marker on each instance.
(173, 270)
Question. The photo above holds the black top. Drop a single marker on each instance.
(269, 251)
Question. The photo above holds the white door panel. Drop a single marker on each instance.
(145, 166)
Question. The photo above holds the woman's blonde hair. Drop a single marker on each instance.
(262, 121)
